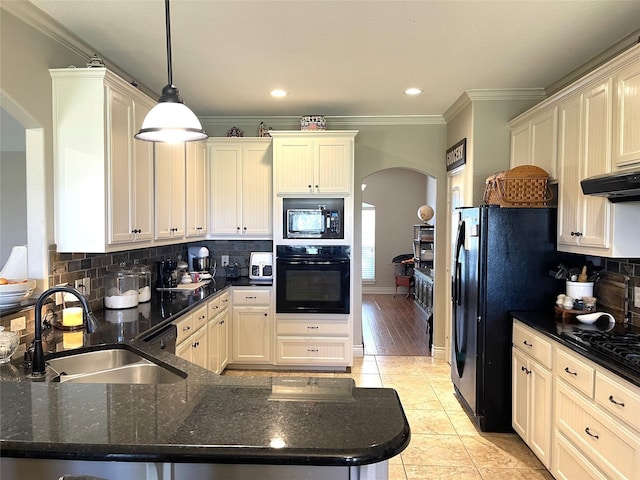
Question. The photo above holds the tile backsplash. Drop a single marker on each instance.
(631, 269)
(69, 267)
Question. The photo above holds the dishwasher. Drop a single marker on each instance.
(165, 338)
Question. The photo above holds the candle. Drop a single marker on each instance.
(72, 340)
(72, 317)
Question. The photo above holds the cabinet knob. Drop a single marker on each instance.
(266, 314)
(576, 234)
(245, 229)
(317, 186)
(309, 186)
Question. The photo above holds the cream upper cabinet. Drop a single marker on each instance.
(584, 222)
(103, 176)
(241, 187)
(197, 191)
(313, 163)
(626, 149)
(170, 191)
(534, 140)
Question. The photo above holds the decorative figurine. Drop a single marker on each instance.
(263, 131)
(234, 132)
(95, 61)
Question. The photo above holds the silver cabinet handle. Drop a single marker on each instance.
(566, 369)
(613, 400)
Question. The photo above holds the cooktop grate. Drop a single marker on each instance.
(621, 347)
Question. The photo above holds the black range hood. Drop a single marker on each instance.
(617, 187)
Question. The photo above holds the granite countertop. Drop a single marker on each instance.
(546, 324)
(205, 418)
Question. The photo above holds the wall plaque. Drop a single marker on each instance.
(457, 155)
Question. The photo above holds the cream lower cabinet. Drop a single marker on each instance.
(312, 340)
(252, 325)
(241, 192)
(532, 386)
(218, 333)
(191, 342)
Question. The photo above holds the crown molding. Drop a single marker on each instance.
(506, 94)
(343, 121)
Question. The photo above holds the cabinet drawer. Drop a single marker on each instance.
(200, 317)
(213, 307)
(312, 351)
(574, 371)
(185, 327)
(569, 463)
(251, 297)
(619, 399)
(224, 300)
(313, 328)
(527, 340)
(608, 444)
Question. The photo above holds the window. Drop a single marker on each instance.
(368, 242)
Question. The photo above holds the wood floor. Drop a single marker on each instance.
(393, 326)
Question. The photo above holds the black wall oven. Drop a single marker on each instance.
(312, 279)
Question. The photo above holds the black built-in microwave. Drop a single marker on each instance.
(313, 218)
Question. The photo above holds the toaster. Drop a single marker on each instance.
(261, 266)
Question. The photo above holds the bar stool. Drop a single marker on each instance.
(404, 281)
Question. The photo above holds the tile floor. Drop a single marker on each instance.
(444, 442)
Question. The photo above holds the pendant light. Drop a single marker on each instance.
(170, 120)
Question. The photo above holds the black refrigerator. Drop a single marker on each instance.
(502, 261)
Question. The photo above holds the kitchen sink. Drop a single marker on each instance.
(116, 364)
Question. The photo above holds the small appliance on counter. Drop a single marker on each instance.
(166, 274)
(261, 267)
(233, 271)
(200, 262)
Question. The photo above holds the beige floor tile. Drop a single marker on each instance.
(414, 393)
(462, 423)
(366, 364)
(365, 380)
(430, 421)
(450, 402)
(514, 474)
(500, 451)
(397, 460)
(396, 472)
(230, 372)
(434, 472)
(415, 366)
(311, 373)
(443, 450)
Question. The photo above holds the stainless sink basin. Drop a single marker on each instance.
(120, 364)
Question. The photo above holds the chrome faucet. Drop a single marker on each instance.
(38, 367)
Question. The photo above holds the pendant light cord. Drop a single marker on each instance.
(168, 29)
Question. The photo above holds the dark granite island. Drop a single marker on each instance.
(205, 426)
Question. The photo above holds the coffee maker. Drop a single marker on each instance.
(200, 261)
(166, 274)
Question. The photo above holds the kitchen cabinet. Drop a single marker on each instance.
(534, 139)
(218, 333)
(103, 176)
(241, 188)
(191, 341)
(313, 163)
(252, 325)
(170, 191)
(626, 151)
(197, 191)
(532, 390)
(312, 340)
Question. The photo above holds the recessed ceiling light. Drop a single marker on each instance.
(413, 91)
(278, 93)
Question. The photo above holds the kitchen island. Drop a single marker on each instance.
(204, 426)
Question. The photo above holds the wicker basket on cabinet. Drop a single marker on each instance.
(523, 186)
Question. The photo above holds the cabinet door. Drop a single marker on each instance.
(540, 420)
(293, 164)
(170, 190)
(223, 341)
(569, 192)
(627, 117)
(251, 335)
(142, 176)
(199, 348)
(520, 393)
(119, 130)
(196, 190)
(333, 166)
(256, 190)
(520, 144)
(544, 140)
(213, 342)
(225, 163)
(596, 160)
(183, 350)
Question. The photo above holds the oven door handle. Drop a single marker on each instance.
(286, 261)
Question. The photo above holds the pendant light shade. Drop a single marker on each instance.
(170, 120)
